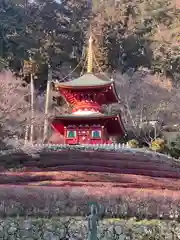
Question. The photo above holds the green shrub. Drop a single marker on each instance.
(174, 148)
(133, 143)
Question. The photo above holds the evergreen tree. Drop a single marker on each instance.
(127, 35)
(137, 34)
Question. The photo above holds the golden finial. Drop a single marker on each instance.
(90, 55)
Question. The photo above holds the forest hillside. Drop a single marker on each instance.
(127, 35)
(137, 42)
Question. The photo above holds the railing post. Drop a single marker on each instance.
(93, 222)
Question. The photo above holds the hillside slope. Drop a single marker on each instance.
(142, 185)
(82, 168)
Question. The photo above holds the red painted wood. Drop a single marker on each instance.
(58, 127)
(89, 99)
(103, 95)
(84, 136)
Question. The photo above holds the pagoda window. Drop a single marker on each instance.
(71, 134)
(96, 134)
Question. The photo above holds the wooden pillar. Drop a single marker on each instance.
(46, 123)
(65, 135)
(26, 134)
(32, 110)
(102, 134)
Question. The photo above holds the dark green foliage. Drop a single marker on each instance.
(138, 34)
(50, 31)
(127, 35)
(174, 148)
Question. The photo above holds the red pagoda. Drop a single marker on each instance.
(87, 124)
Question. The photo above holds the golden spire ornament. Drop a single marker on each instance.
(90, 55)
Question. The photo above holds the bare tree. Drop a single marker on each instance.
(147, 102)
(15, 107)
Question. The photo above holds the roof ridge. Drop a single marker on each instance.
(88, 80)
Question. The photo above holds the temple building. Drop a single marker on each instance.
(87, 124)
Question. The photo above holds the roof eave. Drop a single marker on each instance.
(121, 123)
(76, 117)
(115, 92)
(57, 86)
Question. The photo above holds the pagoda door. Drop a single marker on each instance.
(83, 137)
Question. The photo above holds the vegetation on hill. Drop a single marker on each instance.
(127, 34)
(137, 41)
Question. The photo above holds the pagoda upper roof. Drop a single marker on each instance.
(87, 80)
(84, 117)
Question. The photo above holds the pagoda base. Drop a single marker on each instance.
(92, 129)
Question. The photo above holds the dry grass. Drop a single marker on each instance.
(127, 184)
(91, 179)
(78, 168)
(119, 202)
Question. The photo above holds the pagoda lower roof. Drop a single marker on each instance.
(87, 80)
(113, 122)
